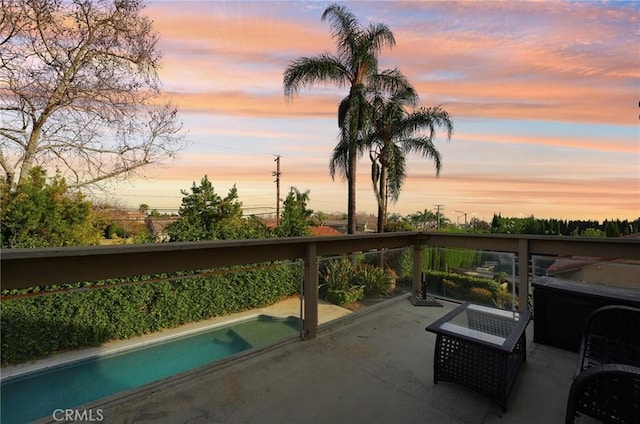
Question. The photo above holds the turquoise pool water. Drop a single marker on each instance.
(26, 398)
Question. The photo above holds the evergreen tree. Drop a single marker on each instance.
(295, 215)
(204, 215)
(38, 213)
(612, 229)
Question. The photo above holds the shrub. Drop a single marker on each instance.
(451, 289)
(338, 274)
(480, 295)
(373, 279)
(44, 212)
(345, 296)
(401, 261)
(467, 287)
(114, 230)
(347, 281)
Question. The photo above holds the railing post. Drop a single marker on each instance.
(523, 277)
(417, 268)
(310, 292)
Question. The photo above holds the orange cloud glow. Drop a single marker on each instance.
(543, 95)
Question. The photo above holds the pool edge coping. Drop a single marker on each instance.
(12, 372)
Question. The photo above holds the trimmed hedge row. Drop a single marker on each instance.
(36, 327)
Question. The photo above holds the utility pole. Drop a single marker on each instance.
(276, 174)
(465, 218)
(438, 216)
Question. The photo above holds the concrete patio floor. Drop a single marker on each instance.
(374, 366)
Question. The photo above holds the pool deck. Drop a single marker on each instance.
(374, 366)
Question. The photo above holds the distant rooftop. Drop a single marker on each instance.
(324, 230)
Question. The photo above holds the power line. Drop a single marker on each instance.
(230, 149)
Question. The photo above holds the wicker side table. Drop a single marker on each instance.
(481, 348)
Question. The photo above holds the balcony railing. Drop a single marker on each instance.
(23, 268)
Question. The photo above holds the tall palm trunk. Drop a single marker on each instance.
(382, 203)
(382, 208)
(351, 202)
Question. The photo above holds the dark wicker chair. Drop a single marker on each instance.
(606, 385)
(609, 393)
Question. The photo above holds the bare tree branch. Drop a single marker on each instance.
(79, 90)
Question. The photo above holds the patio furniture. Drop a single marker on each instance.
(480, 347)
(606, 385)
(561, 307)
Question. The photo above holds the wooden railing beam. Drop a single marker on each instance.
(23, 268)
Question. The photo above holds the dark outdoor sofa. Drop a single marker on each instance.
(606, 385)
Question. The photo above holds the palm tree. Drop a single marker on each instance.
(396, 133)
(355, 63)
(386, 109)
(422, 219)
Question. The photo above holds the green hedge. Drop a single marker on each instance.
(36, 327)
(467, 287)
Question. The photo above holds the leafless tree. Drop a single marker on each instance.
(79, 91)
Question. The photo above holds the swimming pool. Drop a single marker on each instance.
(39, 394)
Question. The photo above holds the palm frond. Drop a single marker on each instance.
(344, 28)
(396, 172)
(307, 71)
(343, 111)
(379, 36)
(424, 147)
(437, 117)
(372, 142)
(339, 161)
(392, 84)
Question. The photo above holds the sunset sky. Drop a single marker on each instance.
(544, 98)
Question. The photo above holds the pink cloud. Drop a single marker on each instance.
(594, 143)
(242, 103)
(518, 78)
(524, 61)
